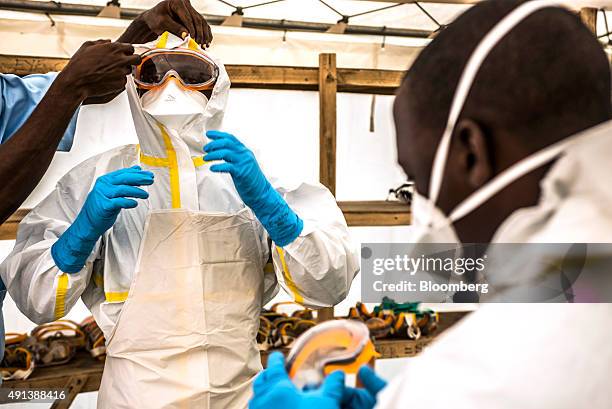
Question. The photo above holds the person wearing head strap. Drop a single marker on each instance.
(503, 122)
(176, 282)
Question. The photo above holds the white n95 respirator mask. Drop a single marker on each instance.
(432, 224)
(174, 106)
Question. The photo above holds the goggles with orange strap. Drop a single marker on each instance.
(333, 345)
(194, 70)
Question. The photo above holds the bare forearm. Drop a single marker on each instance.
(25, 157)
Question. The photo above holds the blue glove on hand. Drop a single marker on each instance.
(282, 224)
(273, 389)
(358, 398)
(102, 206)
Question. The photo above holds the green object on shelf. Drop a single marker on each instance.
(389, 304)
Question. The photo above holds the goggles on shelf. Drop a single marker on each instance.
(334, 345)
(194, 70)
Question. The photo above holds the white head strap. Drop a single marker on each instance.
(465, 84)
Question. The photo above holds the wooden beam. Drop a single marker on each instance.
(248, 76)
(368, 81)
(328, 86)
(588, 15)
(23, 65)
(376, 213)
(74, 386)
(368, 213)
(8, 230)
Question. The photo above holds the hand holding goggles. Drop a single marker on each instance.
(194, 70)
(333, 345)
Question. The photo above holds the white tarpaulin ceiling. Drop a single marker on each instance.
(406, 15)
(403, 16)
(56, 35)
(32, 34)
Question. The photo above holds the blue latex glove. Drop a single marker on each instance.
(358, 398)
(109, 195)
(273, 389)
(282, 224)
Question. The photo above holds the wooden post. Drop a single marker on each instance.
(325, 314)
(328, 87)
(73, 388)
(588, 15)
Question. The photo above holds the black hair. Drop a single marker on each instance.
(547, 79)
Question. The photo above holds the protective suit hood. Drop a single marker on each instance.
(195, 119)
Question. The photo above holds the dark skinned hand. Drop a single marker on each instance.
(97, 71)
(176, 16)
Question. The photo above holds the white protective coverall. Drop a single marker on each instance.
(530, 356)
(191, 341)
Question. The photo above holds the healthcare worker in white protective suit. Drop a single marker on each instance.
(176, 280)
(516, 150)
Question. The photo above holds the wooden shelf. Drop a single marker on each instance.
(376, 213)
(368, 213)
(84, 373)
(248, 76)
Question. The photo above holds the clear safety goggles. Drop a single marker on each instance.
(194, 70)
(334, 345)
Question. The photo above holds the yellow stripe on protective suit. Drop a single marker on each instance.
(171, 163)
(98, 280)
(175, 188)
(163, 162)
(60, 296)
(163, 40)
(199, 161)
(118, 296)
(153, 161)
(193, 45)
(288, 279)
(269, 268)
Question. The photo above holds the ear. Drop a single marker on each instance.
(474, 153)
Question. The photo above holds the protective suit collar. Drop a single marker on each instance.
(574, 205)
(190, 137)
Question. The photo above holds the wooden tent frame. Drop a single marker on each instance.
(326, 79)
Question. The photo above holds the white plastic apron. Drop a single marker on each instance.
(185, 337)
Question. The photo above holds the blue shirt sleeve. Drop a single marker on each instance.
(18, 98)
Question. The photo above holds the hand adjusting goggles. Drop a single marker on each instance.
(194, 70)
